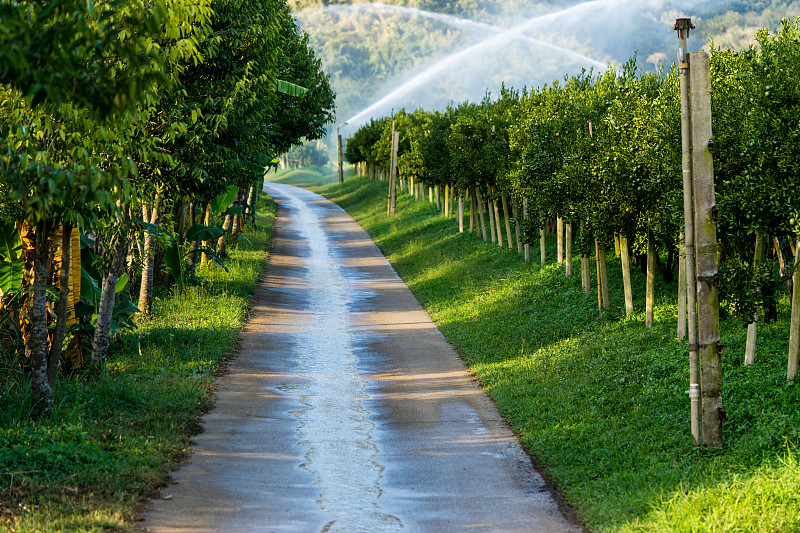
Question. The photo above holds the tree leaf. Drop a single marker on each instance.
(174, 261)
(11, 276)
(10, 241)
(90, 287)
(203, 233)
(224, 200)
(287, 87)
(122, 281)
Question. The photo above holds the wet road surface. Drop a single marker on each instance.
(346, 410)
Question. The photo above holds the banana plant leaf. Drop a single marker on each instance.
(224, 200)
(12, 266)
(202, 232)
(292, 89)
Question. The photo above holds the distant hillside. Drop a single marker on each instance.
(373, 49)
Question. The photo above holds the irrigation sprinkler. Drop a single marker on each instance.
(339, 151)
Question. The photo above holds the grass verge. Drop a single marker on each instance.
(599, 400)
(112, 442)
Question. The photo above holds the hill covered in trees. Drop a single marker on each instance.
(452, 50)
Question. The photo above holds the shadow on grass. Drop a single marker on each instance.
(599, 400)
(112, 440)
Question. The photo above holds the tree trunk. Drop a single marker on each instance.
(602, 275)
(492, 226)
(105, 309)
(437, 196)
(252, 198)
(784, 271)
(498, 222)
(508, 222)
(517, 228)
(36, 340)
(204, 257)
(560, 241)
(681, 332)
(146, 287)
(473, 227)
(617, 246)
(650, 290)
(461, 213)
(794, 325)
(180, 216)
(568, 249)
(526, 247)
(586, 273)
(62, 312)
(479, 201)
(626, 273)
(752, 327)
(222, 241)
(542, 245)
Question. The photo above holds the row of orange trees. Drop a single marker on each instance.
(602, 153)
(137, 123)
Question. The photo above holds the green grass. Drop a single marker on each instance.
(112, 442)
(600, 401)
(310, 177)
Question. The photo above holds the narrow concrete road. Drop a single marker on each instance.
(346, 410)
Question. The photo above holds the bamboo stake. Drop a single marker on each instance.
(625, 257)
(517, 228)
(568, 249)
(461, 213)
(599, 277)
(491, 219)
(542, 245)
(497, 221)
(526, 247)
(650, 293)
(508, 222)
(752, 327)
(472, 209)
(479, 201)
(586, 273)
(560, 241)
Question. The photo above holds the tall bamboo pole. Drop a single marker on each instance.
(393, 172)
(560, 241)
(681, 331)
(794, 325)
(683, 25)
(339, 152)
(708, 333)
